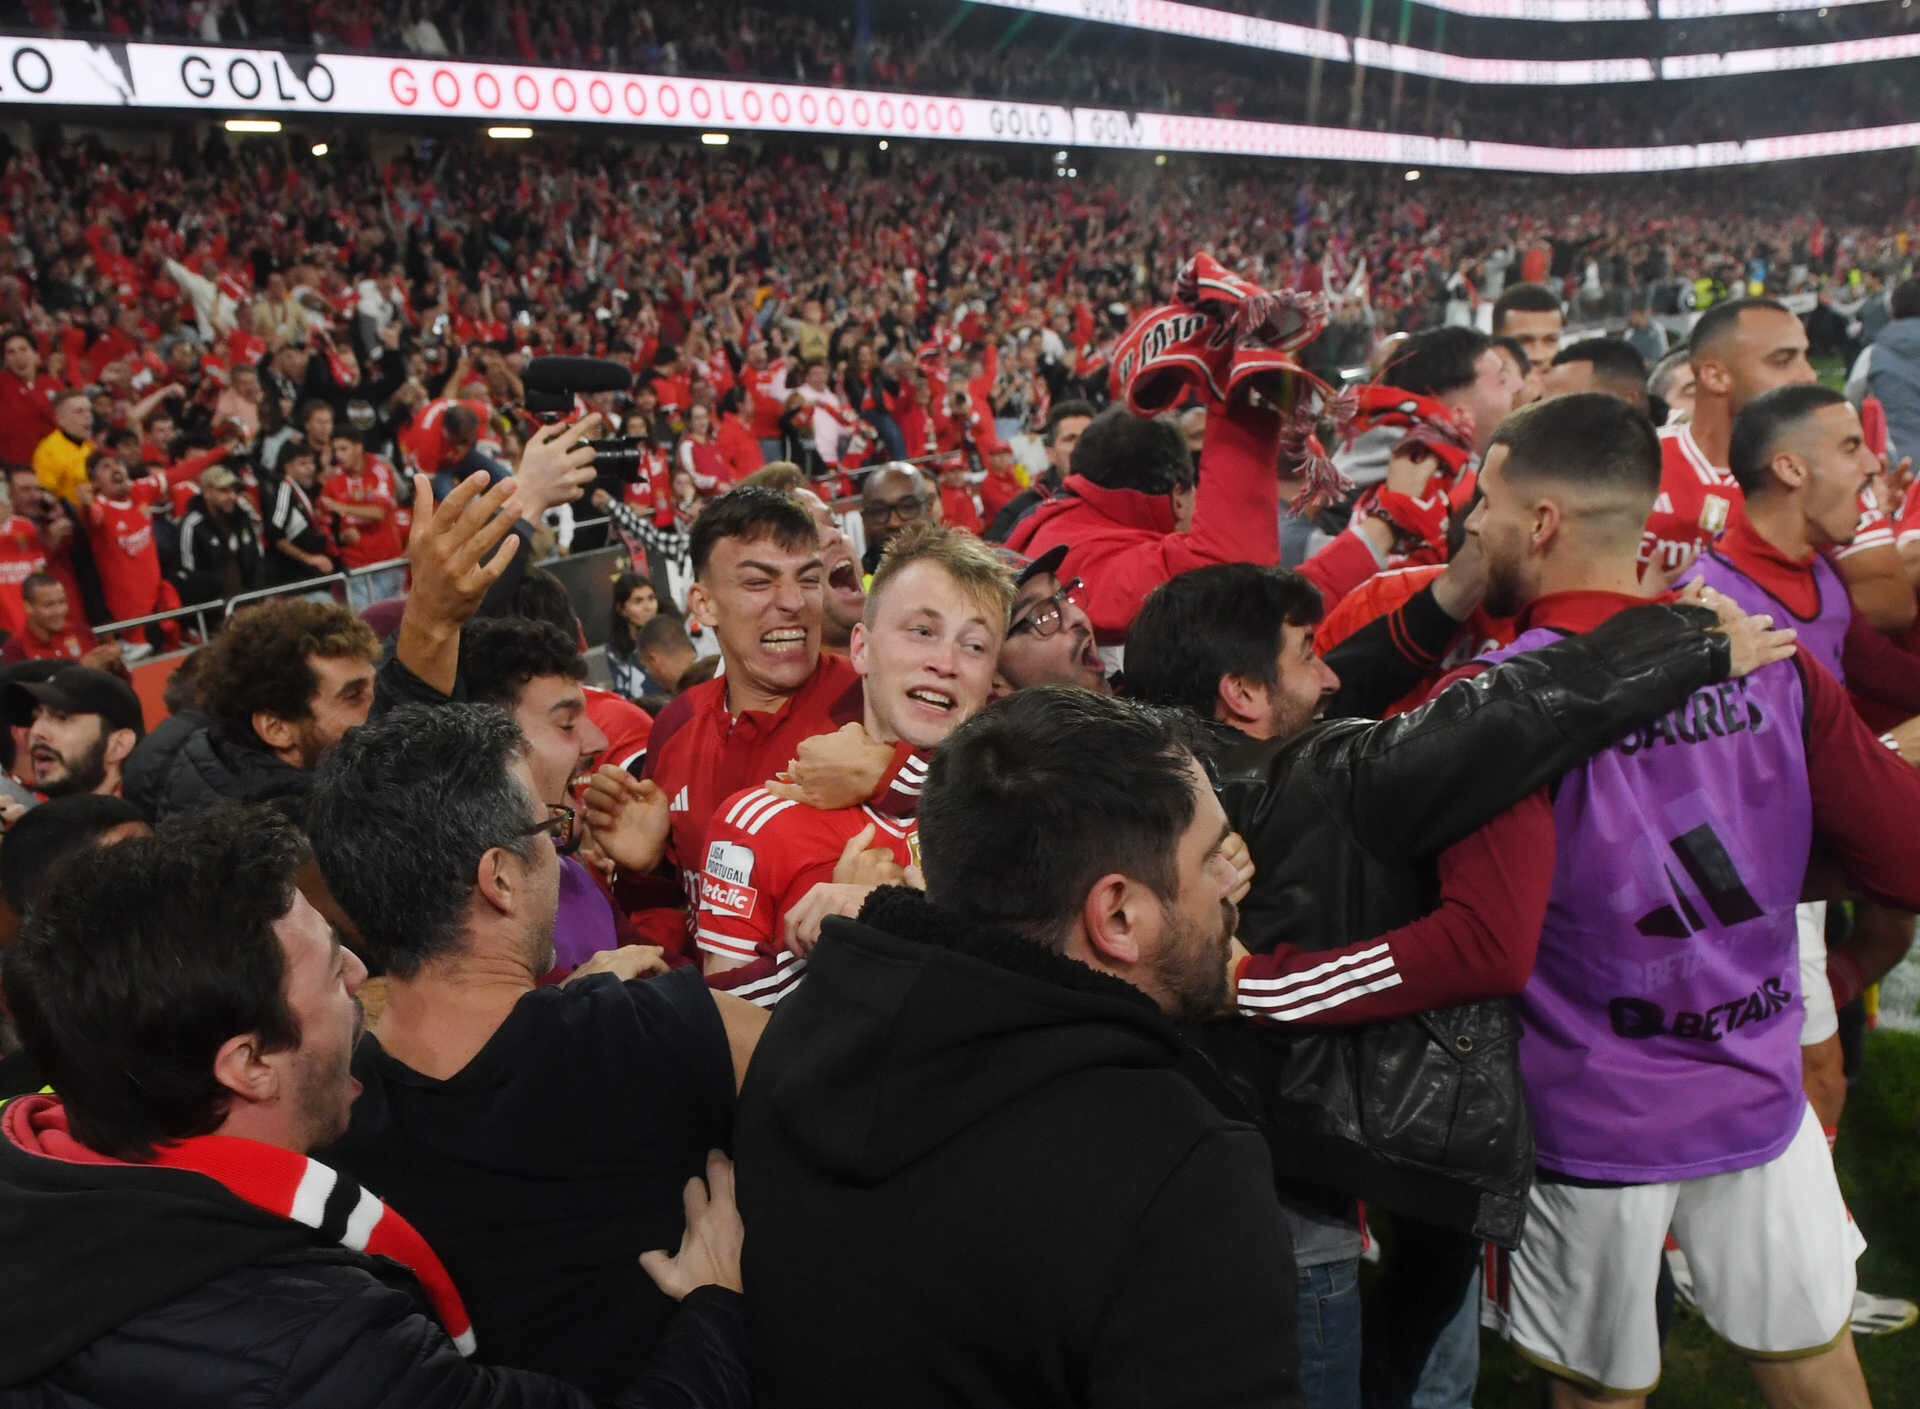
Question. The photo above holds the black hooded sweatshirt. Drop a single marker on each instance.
(976, 1173)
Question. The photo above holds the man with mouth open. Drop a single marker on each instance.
(760, 586)
(935, 617)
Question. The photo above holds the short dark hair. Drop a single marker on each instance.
(619, 629)
(1589, 439)
(403, 809)
(1120, 450)
(1511, 346)
(123, 1002)
(312, 404)
(460, 424)
(499, 655)
(1063, 411)
(34, 581)
(259, 663)
(12, 333)
(1525, 298)
(1034, 799)
(750, 512)
(540, 596)
(1760, 425)
(1905, 299)
(1609, 356)
(664, 633)
(1437, 361)
(51, 832)
(1200, 626)
(1721, 319)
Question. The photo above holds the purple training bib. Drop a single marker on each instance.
(1661, 1027)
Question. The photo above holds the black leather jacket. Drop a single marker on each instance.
(1422, 1115)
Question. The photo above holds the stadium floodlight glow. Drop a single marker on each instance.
(714, 139)
(1160, 159)
(319, 149)
(1413, 176)
(510, 134)
(883, 144)
(252, 124)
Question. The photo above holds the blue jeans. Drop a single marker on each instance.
(1453, 1364)
(363, 592)
(1328, 1302)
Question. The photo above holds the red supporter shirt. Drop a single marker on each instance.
(21, 555)
(1696, 500)
(1874, 530)
(379, 542)
(700, 754)
(70, 644)
(121, 532)
(1385, 593)
(26, 415)
(764, 853)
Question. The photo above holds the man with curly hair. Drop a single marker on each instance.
(283, 683)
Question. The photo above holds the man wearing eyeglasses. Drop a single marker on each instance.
(1049, 638)
(538, 1137)
(892, 497)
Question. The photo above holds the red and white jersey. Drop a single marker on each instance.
(22, 554)
(764, 853)
(374, 485)
(1875, 530)
(124, 553)
(1696, 500)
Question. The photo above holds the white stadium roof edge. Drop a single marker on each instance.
(224, 82)
(1278, 36)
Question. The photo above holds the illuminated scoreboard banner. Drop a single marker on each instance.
(234, 82)
(222, 83)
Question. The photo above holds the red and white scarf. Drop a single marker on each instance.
(282, 1183)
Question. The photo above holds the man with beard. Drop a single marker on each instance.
(283, 683)
(893, 497)
(1019, 1018)
(81, 725)
(198, 1018)
(1382, 891)
(1736, 351)
(1049, 637)
(935, 616)
(1660, 1027)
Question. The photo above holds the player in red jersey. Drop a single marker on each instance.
(1738, 350)
(936, 615)
(758, 582)
(117, 513)
(22, 554)
(360, 493)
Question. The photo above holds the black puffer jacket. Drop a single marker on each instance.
(155, 1288)
(209, 769)
(1422, 1115)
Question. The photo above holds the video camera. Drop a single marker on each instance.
(553, 384)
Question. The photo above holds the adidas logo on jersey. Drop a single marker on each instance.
(679, 803)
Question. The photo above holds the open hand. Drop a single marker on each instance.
(629, 961)
(860, 866)
(629, 818)
(709, 1253)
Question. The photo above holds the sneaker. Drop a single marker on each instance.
(1882, 1315)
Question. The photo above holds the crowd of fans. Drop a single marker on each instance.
(1208, 751)
(224, 363)
(992, 54)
